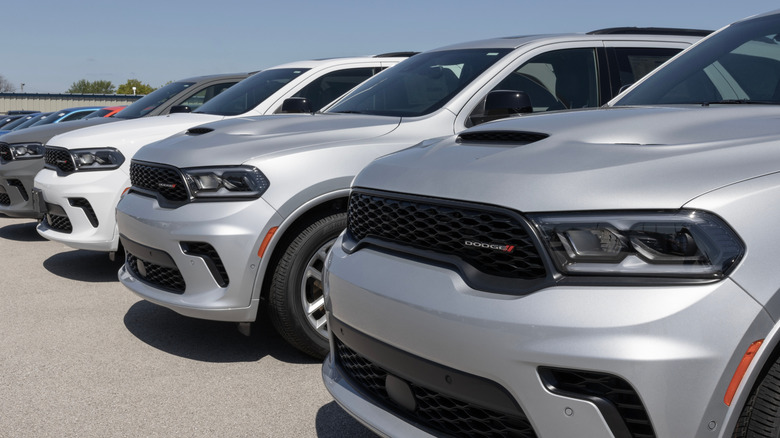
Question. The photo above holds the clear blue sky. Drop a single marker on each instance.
(48, 45)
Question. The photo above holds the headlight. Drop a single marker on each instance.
(225, 182)
(23, 151)
(689, 244)
(97, 159)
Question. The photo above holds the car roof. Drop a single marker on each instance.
(616, 34)
(324, 62)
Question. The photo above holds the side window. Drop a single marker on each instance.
(562, 79)
(331, 86)
(635, 63)
(75, 116)
(205, 95)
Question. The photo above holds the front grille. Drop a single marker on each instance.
(615, 390)
(164, 277)
(19, 186)
(87, 208)
(58, 223)
(5, 199)
(166, 181)
(450, 229)
(433, 409)
(211, 257)
(59, 158)
(5, 153)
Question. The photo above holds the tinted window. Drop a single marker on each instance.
(196, 100)
(333, 85)
(739, 64)
(250, 92)
(13, 124)
(32, 120)
(148, 103)
(419, 85)
(634, 63)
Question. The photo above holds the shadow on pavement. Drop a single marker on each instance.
(24, 232)
(207, 341)
(334, 422)
(82, 265)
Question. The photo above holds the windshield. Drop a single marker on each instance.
(740, 64)
(148, 103)
(419, 85)
(247, 94)
(13, 124)
(34, 119)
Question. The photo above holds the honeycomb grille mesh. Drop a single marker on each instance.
(5, 153)
(434, 410)
(59, 223)
(166, 181)
(5, 199)
(59, 158)
(164, 277)
(449, 229)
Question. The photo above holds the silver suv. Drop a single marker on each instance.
(608, 272)
(240, 213)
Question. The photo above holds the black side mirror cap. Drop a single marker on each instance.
(507, 103)
(296, 105)
(500, 104)
(180, 109)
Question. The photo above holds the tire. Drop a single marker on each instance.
(760, 417)
(296, 302)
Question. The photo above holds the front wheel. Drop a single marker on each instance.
(761, 416)
(297, 302)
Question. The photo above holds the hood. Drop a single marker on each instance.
(131, 133)
(602, 159)
(42, 134)
(235, 141)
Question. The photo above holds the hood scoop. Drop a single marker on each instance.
(513, 137)
(199, 131)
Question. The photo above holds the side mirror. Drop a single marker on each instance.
(295, 105)
(180, 109)
(507, 103)
(500, 104)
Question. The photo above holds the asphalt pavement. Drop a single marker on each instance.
(82, 356)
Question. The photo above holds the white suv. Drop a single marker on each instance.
(242, 212)
(87, 170)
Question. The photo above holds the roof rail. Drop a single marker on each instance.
(651, 31)
(396, 55)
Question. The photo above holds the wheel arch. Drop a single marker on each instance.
(291, 226)
(765, 357)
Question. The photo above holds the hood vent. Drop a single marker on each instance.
(516, 137)
(199, 131)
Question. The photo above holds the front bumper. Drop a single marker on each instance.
(642, 336)
(81, 207)
(199, 259)
(16, 183)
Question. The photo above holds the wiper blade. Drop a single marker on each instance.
(346, 112)
(740, 102)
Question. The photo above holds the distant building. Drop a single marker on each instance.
(52, 102)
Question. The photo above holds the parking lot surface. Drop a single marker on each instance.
(82, 356)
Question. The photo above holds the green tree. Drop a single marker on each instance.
(94, 87)
(127, 88)
(6, 86)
